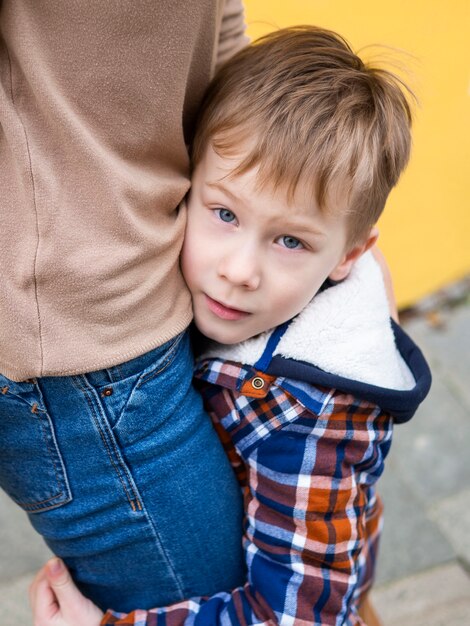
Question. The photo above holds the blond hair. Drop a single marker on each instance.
(311, 111)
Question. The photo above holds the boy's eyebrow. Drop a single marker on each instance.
(309, 230)
(221, 187)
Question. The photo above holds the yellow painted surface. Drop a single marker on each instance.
(425, 231)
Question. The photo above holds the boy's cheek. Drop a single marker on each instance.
(192, 263)
(185, 263)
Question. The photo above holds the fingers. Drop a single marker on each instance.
(42, 599)
(56, 601)
(72, 608)
(61, 583)
(57, 574)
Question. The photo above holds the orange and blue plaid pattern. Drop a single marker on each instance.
(312, 519)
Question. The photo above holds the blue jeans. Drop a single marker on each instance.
(123, 475)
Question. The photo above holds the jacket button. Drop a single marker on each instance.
(258, 383)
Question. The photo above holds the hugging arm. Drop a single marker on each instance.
(308, 523)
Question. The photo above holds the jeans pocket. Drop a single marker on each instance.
(32, 471)
(163, 361)
(118, 397)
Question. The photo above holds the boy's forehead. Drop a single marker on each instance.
(249, 189)
(221, 172)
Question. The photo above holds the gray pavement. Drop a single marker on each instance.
(424, 568)
(423, 575)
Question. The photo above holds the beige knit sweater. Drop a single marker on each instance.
(97, 103)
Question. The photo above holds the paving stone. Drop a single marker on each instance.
(14, 602)
(448, 348)
(439, 597)
(431, 451)
(411, 541)
(453, 518)
(22, 549)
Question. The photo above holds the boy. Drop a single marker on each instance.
(298, 146)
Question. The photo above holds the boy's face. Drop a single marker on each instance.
(251, 260)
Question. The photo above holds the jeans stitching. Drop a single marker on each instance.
(41, 426)
(60, 477)
(19, 397)
(170, 357)
(77, 381)
(167, 361)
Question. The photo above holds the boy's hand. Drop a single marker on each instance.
(56, 601)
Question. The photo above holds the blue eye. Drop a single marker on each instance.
(226, 215)
(290, 242)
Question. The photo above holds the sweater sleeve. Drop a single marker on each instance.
(232, 35)
(308, 510)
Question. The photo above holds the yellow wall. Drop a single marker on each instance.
(425, 232)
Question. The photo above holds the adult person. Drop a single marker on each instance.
(103, 441)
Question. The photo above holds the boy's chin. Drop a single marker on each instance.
(226, 338)
(227, 341)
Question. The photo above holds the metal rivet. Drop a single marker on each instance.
(34, 408)
(107, 392)
(258, 383)
(4, 390)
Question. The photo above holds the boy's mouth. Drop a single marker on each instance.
(223, 311)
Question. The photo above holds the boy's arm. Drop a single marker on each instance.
(305, 527)
(56, 601)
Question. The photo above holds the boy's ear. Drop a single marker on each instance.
(341, 271)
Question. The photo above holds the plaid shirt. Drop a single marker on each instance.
(307, 459)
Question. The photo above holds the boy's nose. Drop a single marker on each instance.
(241, 268)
